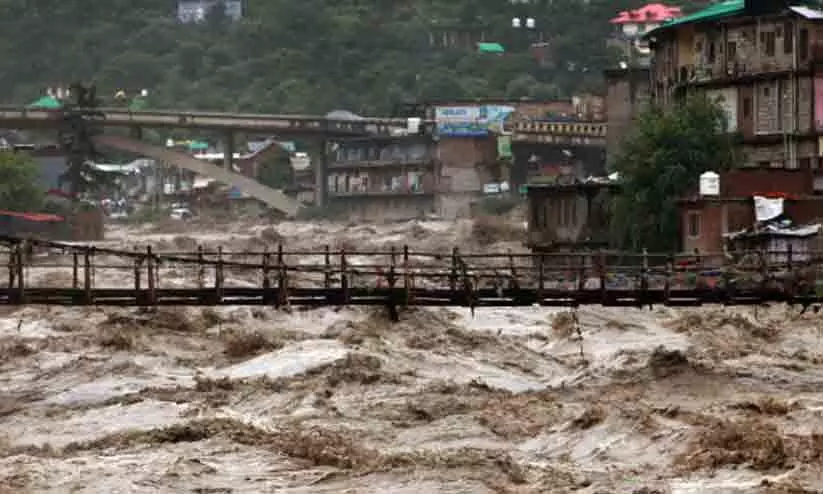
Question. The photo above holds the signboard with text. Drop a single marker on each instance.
(471, 121)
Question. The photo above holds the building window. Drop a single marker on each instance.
(693, 224)
(747, 107)
(767, 40)
(805, 163)
(766, 91)
(788, 38)
(803, 44)
(731, 51)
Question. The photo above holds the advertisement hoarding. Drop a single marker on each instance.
(471, 121)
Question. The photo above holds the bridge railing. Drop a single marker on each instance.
(50, 272)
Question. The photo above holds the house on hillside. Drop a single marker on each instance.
(632, 25)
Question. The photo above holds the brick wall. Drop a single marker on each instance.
(747, 182)
(461, 159)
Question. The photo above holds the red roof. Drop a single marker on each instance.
(653, 12)
(38, 217)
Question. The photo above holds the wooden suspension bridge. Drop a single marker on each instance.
(51, 273)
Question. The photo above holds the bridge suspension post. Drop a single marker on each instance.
(138, 261)
(391, 278)
(327, 271)
(21, 279)
(266, 280)
(541, 277)
(644, 278)
(75, 270)
(601, 273)
(408, 279)
(218, 275)
(344, 277)
(282, 279)
(201, 268)
(453, 276)
(87, 276)
(150, 275)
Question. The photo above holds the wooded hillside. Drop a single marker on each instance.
(306, 55)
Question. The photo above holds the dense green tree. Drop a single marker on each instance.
(660, 162)
(18, 183)
(304, 56)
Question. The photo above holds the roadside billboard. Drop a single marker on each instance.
(471, 121)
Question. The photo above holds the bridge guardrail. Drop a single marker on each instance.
(200, 119)
(398, 276)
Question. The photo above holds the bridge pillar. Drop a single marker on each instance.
(137, 132)
(228, 150)
(320, 175)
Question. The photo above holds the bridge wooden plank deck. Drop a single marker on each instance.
(399, 277)
(308, 297)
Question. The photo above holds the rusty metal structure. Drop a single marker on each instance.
(52, 273)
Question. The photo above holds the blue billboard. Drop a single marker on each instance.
(471, 121)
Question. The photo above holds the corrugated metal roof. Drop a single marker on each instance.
(807, 12)
(728, 8)
(711, 13)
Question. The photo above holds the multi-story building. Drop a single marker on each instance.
(762, 60)
(759, 59)
(383, 177)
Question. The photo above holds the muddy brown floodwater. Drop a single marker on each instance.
(242, 400)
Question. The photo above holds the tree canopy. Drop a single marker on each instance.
(308, 56)
(660, 162)
(18, 183)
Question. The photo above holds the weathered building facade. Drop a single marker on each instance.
(569, 215)
(385, 178)
(628, 93)
(759, 59)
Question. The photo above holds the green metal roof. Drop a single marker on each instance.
(490, 48)
(711, 13)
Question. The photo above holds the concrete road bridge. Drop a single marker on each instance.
(316, 127)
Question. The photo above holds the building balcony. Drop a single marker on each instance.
(425, 162)
(402, 192)
(732, 73)
(563, 133)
